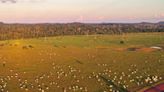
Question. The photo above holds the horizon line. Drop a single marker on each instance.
(2, 22)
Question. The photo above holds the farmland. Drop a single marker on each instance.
(82, 63)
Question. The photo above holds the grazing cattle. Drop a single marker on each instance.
(30, 46)
(4, 64)
(122, 42)
(15, 44)
(133, 49)
(25, 47)
(1, 44)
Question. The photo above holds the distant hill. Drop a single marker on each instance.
(1, 22)
(145, 23)
(161, 22)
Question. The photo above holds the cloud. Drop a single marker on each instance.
(16, 1)
(5, 1)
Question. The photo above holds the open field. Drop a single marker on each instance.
(96, 63)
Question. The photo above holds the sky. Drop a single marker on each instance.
(87, 11)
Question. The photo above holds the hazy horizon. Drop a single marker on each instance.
(84, 11)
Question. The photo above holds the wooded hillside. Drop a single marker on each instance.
(17, 31)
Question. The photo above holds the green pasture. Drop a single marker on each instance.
(89, 63)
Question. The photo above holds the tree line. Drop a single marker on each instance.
(19, 31)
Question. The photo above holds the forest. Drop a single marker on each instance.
(21, 31)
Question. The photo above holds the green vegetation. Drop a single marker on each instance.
(95, 63)
(18, 31)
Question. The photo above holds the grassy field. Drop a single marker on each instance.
(96, 63)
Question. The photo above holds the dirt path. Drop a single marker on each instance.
(159, 87)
